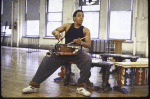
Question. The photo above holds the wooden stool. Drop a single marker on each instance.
(65, 75)
(131, 74)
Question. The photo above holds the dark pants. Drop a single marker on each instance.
(50, 64)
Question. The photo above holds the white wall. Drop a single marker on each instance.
(139, 28)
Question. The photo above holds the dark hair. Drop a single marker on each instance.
(75, 13)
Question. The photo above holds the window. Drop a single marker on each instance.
(32, 17)
(54, 16)
(120, 19)
(1, 7)
(91, 17)
(6, 10)
(120, 24)
(32, 27)
(7, 30)
(92, 24)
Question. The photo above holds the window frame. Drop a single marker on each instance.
(46, 18)
(108, 21)
(98, 24)
(99, 17)
(5, 31)
(25, 30)
(7, 25)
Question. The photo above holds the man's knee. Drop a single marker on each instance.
(88, 59)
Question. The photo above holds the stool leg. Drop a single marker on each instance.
(105, 86)
(61, 74)
(67, 75)
(120, 81)
(101, 71)
(71, 73)
(104, 59)
(68, 80)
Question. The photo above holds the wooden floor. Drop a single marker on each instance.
(18, 68)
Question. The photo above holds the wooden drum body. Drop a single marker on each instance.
(64, 49)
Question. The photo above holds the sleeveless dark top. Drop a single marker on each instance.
(73, 33)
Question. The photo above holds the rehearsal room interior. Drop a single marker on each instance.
(74, 48)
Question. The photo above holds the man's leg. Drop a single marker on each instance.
(83, 62)
(47, 67)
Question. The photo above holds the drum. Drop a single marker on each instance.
(64, 49)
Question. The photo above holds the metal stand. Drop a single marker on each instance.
(33, 42)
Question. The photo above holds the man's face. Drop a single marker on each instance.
(78, 18)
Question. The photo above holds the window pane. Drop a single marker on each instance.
(51, 26)
(120, 24)
(2, 28)
(8, 31)
(119, 5)
(91, 21)
(7, 10)
(54, 16)
(55, 6)
(91, 8)
(32, 27)
(33, 9)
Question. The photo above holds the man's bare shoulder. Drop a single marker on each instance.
(67, 24)
(85, 30)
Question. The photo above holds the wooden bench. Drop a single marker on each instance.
(118, 58)
(131, 74)
(105, 75)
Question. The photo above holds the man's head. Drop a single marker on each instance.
(78, 16)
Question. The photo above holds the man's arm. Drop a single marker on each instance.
(87, 43)
(58, 30)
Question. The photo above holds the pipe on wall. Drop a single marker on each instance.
(12, 24)
(134, 44)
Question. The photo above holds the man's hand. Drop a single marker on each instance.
(59, 30)
(77, 41)
(56, 34)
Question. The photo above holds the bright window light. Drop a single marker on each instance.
(120, 24)
(33, 27)
(54, 16)
(55, 6)
(51, 26)
(91, 21)
(91, 17)
(7, 30)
